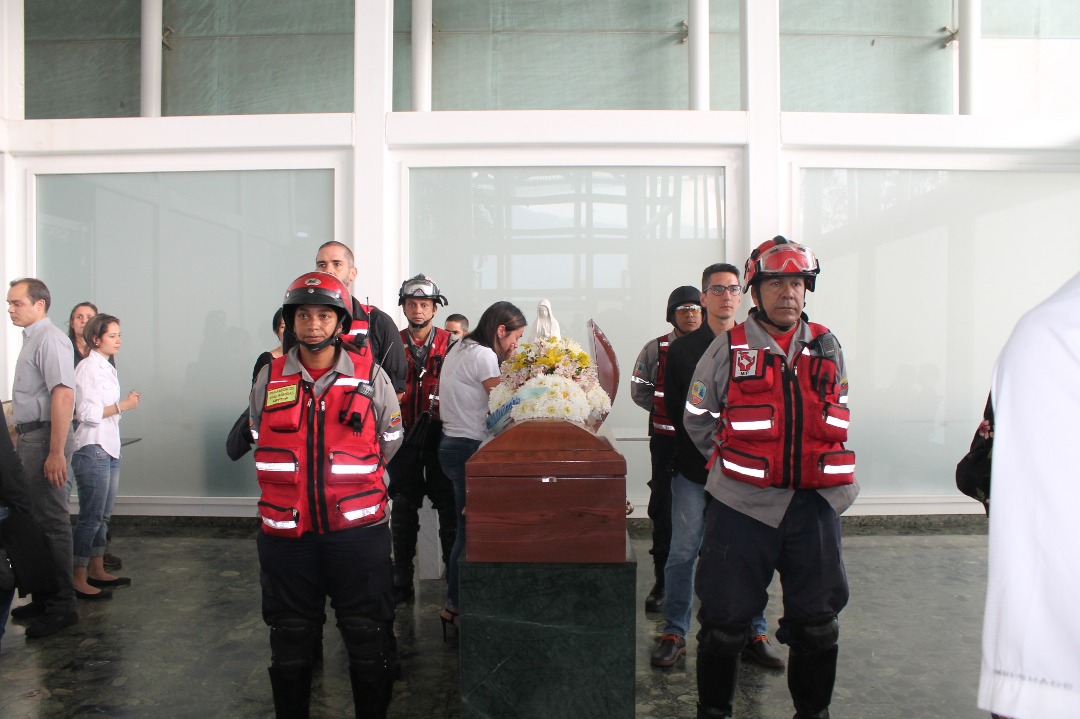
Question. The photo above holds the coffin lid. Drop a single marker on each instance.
(546, 447)
(607, 364)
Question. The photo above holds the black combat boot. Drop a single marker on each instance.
(372, 692)
(404, 526)
(811, 676)
(717, 676)
(654, 602)
(292, 691)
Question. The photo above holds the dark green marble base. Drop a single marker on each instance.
(547, 640)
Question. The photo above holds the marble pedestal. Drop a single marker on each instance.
(547, 640)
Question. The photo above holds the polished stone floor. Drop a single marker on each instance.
(186, 639)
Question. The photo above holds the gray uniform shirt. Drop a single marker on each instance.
(644, 380)
(44, 362)
(704, 405)
(384, 401)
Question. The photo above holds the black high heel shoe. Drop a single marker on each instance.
(449, 616)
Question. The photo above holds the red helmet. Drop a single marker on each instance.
(317, 288)
(781, 257)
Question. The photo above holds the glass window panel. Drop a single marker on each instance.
(624, 238)
(865, 17)
(194, 265)
(257, 57)
(562, 54)
(865, 74)
(81, 58)
(876, 56)
(1031, 19)
(911, 261)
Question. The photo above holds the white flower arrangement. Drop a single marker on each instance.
(552, 378)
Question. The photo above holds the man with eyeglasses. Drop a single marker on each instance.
(647, 390)
(720, 298)
(768, 405)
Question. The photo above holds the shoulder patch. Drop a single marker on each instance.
(639, 368)
(282, 395)
(395, 419)
(697, 392)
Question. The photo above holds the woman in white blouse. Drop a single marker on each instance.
(96, 461)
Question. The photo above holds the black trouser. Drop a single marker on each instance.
(413, 474)
(352, 567)
(662, 451)
(738, 557)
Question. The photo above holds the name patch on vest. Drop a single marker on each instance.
(747, 363)
(281, 395)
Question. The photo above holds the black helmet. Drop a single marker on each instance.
(420, 287)
(685, 295)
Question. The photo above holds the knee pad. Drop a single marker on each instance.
(368, 642)
(404, 503)
(723, 639)
(291, 642)
(817, 635)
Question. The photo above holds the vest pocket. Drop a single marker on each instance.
(753, 422)
(276, 466)
(286, 415)
(744, 467)
(346, 467)
(830, 422)
(362, 508)
(279, 521)
(833, 469)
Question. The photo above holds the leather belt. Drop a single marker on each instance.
(31, 426)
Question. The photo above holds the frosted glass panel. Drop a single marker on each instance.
(876, 56)
(194, 265)
(913, 285)
(885, 17)
(258, 57)
(1031, 19)
(603, 243)
(563, 54)
(81, 58)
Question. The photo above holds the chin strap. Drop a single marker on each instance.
(320, 346)
(762, 317)
(420, 327)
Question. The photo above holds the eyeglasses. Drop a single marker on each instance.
(721, 289)
(692, 309)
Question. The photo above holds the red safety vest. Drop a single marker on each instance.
(658, 418)
(422, 382)
(318, 461)
(359, 325)
(784, 426)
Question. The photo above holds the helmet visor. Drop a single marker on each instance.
(419, 288)
(788, 260)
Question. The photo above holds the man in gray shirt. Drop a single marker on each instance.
(43, 397)
(768, 405)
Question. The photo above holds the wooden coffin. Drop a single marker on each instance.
(546, 491)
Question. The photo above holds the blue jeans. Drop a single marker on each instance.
(687, 530)
(49, 507)
(98, 477)
(454, 452)
(6, 595)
